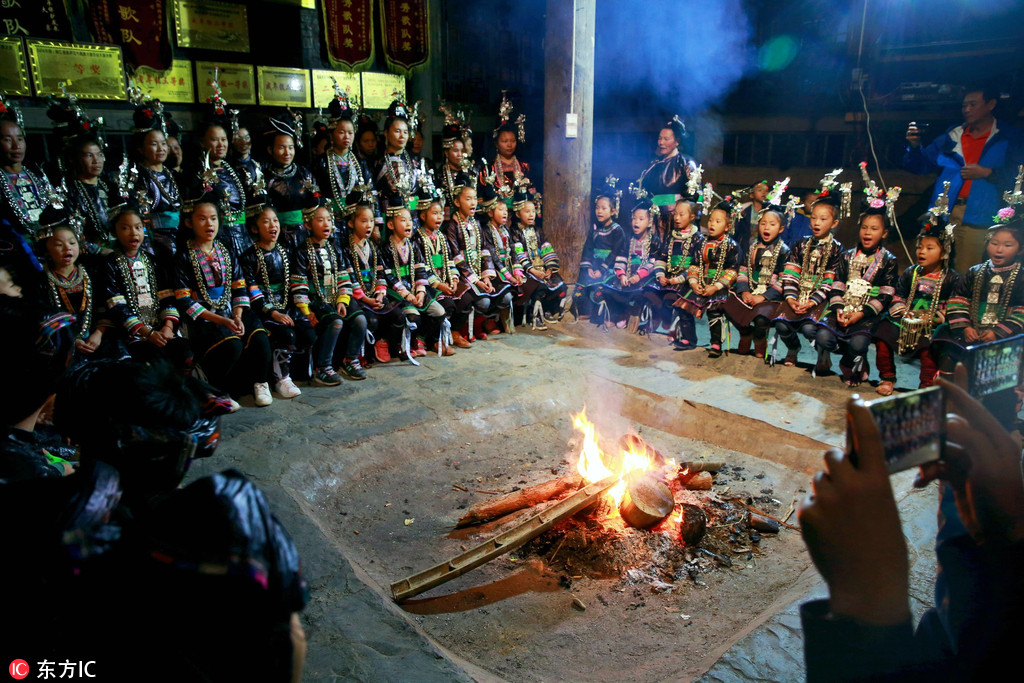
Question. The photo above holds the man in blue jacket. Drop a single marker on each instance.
(979, 159)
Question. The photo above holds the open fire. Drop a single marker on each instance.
(641, 495)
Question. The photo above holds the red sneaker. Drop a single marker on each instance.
(380, 349)
(419, 348)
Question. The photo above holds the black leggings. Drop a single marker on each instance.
(234, 365)
(788, 332)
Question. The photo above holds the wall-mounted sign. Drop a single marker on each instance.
(13, 67)
(323, 87)
(96, 72)
(280, 86)
(379, 89)
(211, 25)
(237, 83)
(173, 85)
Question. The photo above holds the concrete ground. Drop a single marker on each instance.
(298, 450)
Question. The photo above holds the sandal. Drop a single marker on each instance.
(790, 360)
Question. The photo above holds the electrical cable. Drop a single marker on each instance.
(867, 126)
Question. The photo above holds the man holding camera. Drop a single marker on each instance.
(979, 160)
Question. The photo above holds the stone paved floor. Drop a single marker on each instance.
(356, 633)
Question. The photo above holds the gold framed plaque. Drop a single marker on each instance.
(237, 82)
(13, 67)
(96, 72)
(173, 85)
(379, 88)
(211, 25)
(323, 87)
(281, 86)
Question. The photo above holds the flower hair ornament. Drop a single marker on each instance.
(837, 194)
(1015, 199)
(876, 198)
(693, 182)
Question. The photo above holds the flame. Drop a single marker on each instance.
(592, 467)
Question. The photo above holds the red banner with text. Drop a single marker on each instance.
(138, 26)
(406, 29)
(348, 30)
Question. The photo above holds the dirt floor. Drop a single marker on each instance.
(370, 478)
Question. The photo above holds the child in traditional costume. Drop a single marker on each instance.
(543, 290)
(321, 289)
(810, 270)
(622, 299)
(604, 244)
(755, 298)
(494, 213)
(69, 288)
(471, 256)
(288, 182)
(988, 303)
(713, 274)
(442, 275)
(860, 295)
(679, 253)
(139, 295)
(919, 305)
(213, 299)
(454, 162)
(384, 316)
(407, 279)
(266, 266)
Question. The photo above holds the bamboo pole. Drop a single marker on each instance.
(500, 544)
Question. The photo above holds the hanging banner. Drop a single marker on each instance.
(323, 87)
(211, 25)
(14, 68)
(280, 86)
(138, 26)
(348, 30)
(237, 83)
(379, 89)
(406, 32)
(96, 72)
(37, 18)
(173, 85)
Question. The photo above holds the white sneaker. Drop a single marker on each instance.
(261, 392)
(235, 406)
(286, 388)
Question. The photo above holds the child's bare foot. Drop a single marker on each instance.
(886, 388)
(790, 360)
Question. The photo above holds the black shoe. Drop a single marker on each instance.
(327, 377)
(353, 370)
(715, 352)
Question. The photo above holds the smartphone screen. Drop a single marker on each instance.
(912, 425)
(994, 366)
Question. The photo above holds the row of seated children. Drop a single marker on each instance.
(842, 301)
(336, 300)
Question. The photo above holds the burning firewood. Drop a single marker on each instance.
(637, 444)
(696, 481)
(500, 544)
(518, 500)
(693, 524)
(647, 502)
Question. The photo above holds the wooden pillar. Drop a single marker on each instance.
(568, 88)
